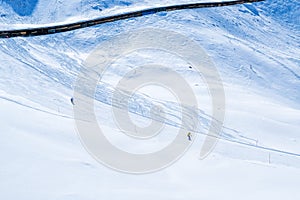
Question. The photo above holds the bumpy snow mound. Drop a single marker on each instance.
(284, 11)
(43, 11)
(22, 7)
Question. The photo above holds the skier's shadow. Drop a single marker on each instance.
(22, 7)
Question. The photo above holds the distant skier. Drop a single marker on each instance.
(189, 135)
(72, 101)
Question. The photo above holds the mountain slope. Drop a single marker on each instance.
(256, 49)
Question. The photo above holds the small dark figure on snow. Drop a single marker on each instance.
(72, 101)
(189, 135)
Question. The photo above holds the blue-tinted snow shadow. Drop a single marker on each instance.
(22, 7)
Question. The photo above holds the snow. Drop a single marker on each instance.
(255, 48)
(43, 160)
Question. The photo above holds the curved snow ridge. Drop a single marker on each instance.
(35, 108)
(83, 24)
(165, 112)
(227, 135)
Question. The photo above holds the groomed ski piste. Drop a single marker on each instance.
(255, 48)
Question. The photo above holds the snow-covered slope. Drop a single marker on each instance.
(256, 50)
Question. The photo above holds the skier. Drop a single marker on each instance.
(189, 135)
(72, 101)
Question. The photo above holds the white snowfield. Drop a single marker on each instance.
(256, 50)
